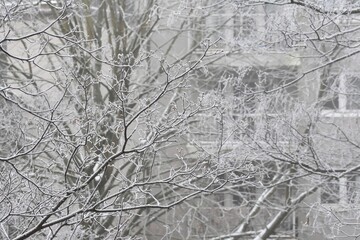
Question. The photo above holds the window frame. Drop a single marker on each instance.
(223, 27)
(341, 95)
(249, 118)
(344, 193)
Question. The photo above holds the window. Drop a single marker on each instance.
(330, 192)
(244, 24)
(214, 27)
(247, 114)
(342, 92)
(343, 190)
(222, 25)
(263, 79)
(259, 111)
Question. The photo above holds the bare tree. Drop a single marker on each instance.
(178, 119)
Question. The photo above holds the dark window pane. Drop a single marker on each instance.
(331, 92)
(352, 188)
(353, 93)
(330, 191)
